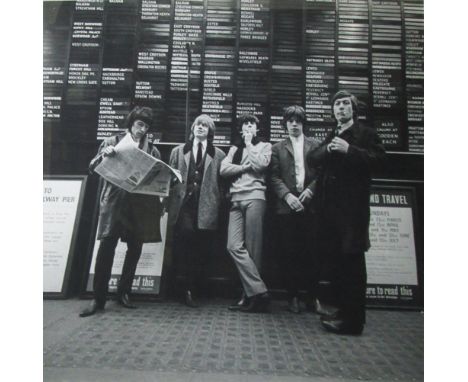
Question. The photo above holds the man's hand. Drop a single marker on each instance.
(338, 145)
(175, 179)
(294, 203)
(305, 196)
(246, 166)
(248, 138)
(163, 210)
(109, 151)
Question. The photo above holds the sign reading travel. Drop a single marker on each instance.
(392, 277)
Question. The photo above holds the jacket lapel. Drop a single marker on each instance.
(210, 153)
(307, 170)
(186, 152)
(187, 164)
(208, 159)
(288, 146)
(307, 144)
(349, 135)
(184, 160)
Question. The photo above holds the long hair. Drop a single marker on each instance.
(206, 120)
(294, 112)
(238, 141)
(143, 113)
(243, 118)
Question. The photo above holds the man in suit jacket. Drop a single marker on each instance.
(344, 162)
(293, 183)
(194, 204)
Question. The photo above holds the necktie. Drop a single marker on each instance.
(199, 154)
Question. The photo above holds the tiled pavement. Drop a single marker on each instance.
(170, 342)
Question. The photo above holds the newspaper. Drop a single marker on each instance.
(136, 171)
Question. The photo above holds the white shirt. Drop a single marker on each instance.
(299, 169)
(195, 147)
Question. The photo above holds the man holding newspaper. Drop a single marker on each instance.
(129, 205)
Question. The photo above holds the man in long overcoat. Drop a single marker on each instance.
(133, 218)
(194, 204)
(344, 162)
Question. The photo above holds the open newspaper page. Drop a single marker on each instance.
(136, 171)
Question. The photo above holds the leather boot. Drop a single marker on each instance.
(342, 326)
(260, 303)
(244, 301)
(294, 306)
(324, 310)
(93, 308)
(189, 300)
(124, 300)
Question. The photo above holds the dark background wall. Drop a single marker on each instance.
(103, 57)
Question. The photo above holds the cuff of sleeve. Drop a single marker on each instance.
(283, 197)
(351, 150)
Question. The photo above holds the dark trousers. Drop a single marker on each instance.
(297, 257)
(103, 267)
(191, 247)
(345, 272)
(350, 282)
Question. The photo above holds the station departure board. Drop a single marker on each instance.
(259, 56)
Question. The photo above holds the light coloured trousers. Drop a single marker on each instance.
(245, 242)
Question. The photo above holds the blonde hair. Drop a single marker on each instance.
(206, 120)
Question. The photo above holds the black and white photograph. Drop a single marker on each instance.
(234, 190)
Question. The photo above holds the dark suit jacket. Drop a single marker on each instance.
(343, 184)
(282, 172)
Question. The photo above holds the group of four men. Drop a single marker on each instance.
(321, 203)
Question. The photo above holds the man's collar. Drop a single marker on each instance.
(345, 126)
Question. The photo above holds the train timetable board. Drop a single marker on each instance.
(353, 51)
(392, 272)
(102, 57)
(320, 65)
(254, 60)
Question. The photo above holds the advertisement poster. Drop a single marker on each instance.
(392, 276)
(148, 273)
(61, 206)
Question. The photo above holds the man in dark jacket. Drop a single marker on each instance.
(344, 161)
(133, 218)
(293, 184)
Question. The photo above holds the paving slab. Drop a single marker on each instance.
(167, 341)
